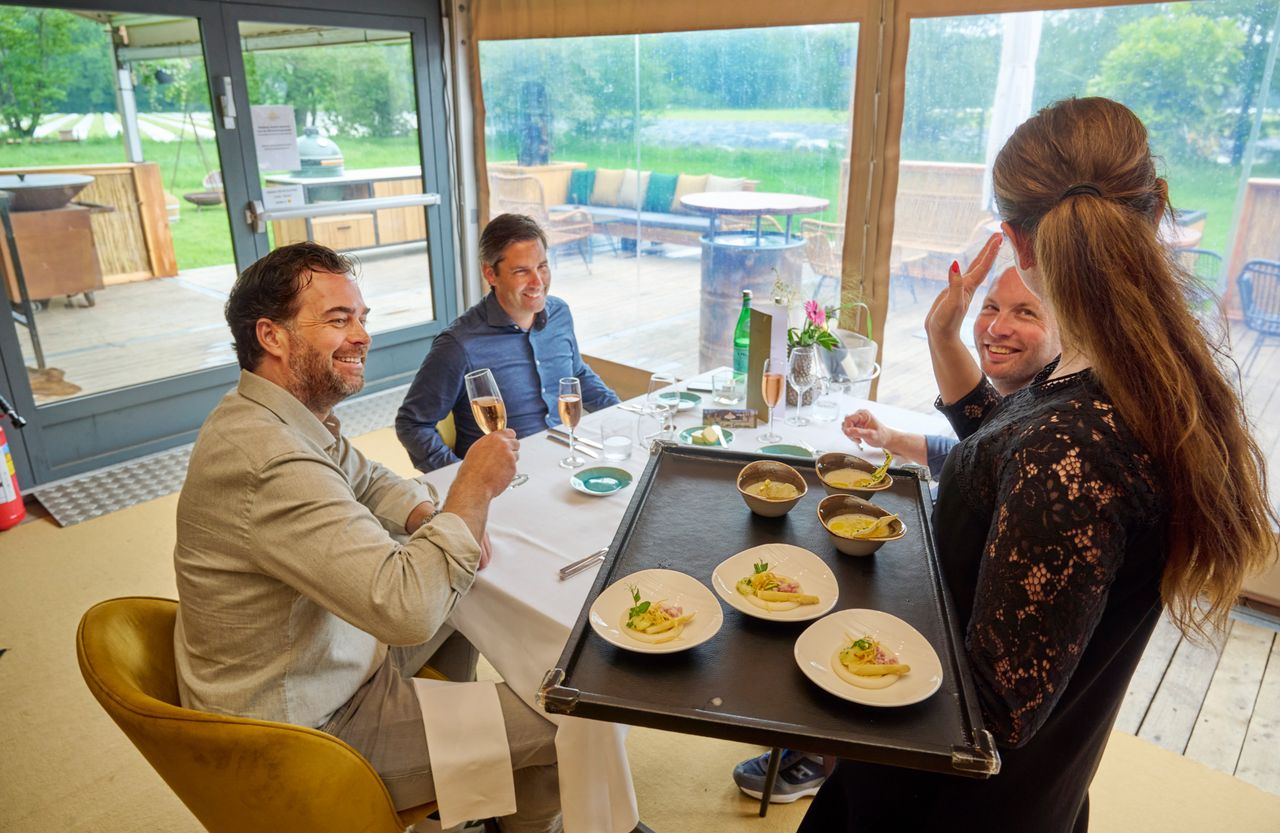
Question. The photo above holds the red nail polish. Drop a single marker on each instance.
(955, 267)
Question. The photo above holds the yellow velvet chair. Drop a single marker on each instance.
(235, 774)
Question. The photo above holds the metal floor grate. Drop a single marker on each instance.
(87, 496)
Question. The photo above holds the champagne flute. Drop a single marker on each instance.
(488, 408)
(663, 407)
(771, 385)
(802, 372)
(570, 415)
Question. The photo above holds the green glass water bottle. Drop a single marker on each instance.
(742, 337)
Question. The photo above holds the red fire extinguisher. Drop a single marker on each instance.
(11, 509)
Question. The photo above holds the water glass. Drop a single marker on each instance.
(617, 433)
(724, 388)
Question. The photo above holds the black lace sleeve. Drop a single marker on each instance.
(1069, 491)
(968, 412)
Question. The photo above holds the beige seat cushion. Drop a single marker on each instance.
(631, 192)
(608, 181)
(687, 184)
(725, 183)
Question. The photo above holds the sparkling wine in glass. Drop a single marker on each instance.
(802, 372)
(571, 415)
(772, 383)
(488, 408)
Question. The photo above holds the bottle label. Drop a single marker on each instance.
(8, 493)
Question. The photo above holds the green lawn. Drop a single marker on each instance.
(202, 236)
(799, 115)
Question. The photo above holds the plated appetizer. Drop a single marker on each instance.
(772, 490)
(653, 622)
(770, 591)
(864, 662)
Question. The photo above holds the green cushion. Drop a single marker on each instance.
(581, 183)
(661, 190)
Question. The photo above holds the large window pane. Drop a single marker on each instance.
(601, 138)
(124, 279)
(1192, 71)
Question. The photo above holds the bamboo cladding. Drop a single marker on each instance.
(118, 233)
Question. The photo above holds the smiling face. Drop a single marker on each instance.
(521, 280)
(1014, 334)
(326, 342)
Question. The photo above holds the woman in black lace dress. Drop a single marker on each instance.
(1120, 482)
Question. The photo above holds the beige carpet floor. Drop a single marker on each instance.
(64, 766)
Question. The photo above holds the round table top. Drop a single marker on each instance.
(751, 203)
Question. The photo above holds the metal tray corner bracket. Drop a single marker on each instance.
(982, 759)
(554, 697)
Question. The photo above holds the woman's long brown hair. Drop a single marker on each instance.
(1119, 298)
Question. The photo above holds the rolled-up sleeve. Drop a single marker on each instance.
(310, 535)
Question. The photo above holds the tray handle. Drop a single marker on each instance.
(982, 759)
(554, 697)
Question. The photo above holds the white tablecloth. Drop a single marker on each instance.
(519, 614)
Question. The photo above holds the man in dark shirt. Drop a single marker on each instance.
(518, 331)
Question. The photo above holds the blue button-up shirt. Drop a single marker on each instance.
(526, 364)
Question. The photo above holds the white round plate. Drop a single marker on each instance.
(814, 575)
(684, 399)
(658, 586)
(829, 634)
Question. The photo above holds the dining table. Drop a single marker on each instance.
(519, 613)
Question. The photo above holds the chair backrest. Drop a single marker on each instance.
(1259, 287)
(236, 775)
(517, 194)
(820, 247)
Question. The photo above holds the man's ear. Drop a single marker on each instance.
(1024, 250)
(273, 337)
(489, 276)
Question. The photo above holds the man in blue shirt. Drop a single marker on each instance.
(523, 335)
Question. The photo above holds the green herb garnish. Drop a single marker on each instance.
(640, 607)
(761, 566)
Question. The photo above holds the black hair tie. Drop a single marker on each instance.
(1082, 188)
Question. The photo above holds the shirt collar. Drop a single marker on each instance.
(496, 316)
(290, 411)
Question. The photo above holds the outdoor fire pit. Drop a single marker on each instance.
(42, 192)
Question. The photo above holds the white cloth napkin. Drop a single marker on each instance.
(470, 755)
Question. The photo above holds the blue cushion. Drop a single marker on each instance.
(661, 190)
(581, 182)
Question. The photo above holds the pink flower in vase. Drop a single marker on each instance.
(815, 313)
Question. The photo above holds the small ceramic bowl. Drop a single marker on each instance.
(753, 473)
(833, 506)
(835, 460)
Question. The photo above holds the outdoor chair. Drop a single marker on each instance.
(1259, 287)
(522, 194)
(1204, 267)
(236, 775)
(823, 248)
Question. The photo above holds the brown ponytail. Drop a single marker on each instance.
(1119, 298)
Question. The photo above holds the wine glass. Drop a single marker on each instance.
(488, 409)
(570, 415)
(664, 408)
(771, 385)
(802, 372)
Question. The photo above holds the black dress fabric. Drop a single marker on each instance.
(1050, 528)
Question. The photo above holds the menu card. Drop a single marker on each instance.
(768, 341)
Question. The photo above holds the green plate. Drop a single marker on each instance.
(787, 450)
(686, 437)
(686, 400)
(600, 480)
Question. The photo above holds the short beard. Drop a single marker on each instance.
(315, 383)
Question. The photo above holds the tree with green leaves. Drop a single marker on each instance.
(33, 72)
(1175, 70)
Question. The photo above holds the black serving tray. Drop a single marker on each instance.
(743, 684)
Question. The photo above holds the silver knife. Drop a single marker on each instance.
(565, 441)
(589, 443)
(581, 564)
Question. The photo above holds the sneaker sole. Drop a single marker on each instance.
(781, 798)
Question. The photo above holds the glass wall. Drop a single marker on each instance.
(1194, 72)
(628, 148)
